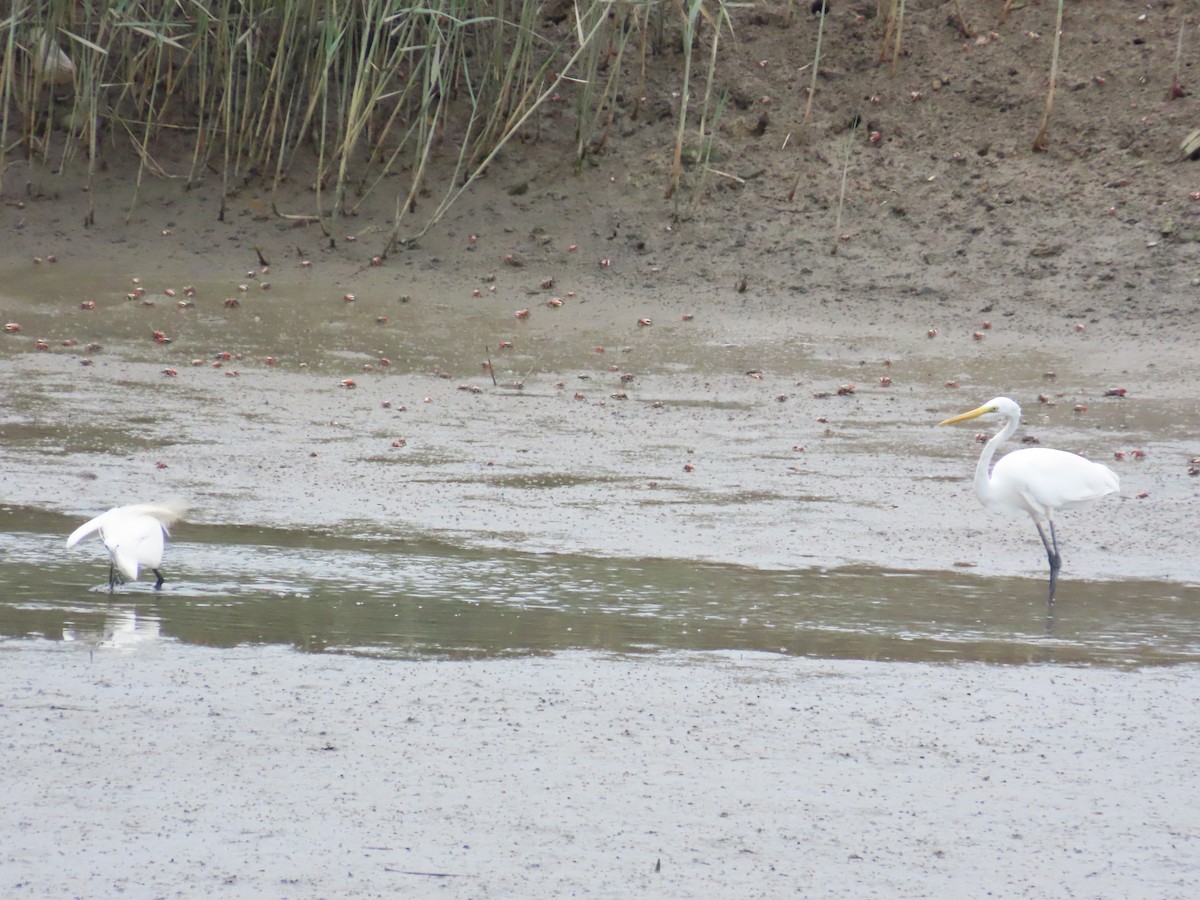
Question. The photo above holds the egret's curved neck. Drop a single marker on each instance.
(983, 484)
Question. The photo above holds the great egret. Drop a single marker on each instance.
(133, 536)
(1037, 480)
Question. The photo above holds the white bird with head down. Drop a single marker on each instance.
(1037, 481)
(133, 537)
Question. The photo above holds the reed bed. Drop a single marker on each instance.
(351, 95)
(358, 90)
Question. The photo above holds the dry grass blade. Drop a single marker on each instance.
(837, 226)
(690, 18)
(1039, 142)
(1177, 89)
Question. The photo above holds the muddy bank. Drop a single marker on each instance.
(262, 771)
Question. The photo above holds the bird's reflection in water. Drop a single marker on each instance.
(121, 629)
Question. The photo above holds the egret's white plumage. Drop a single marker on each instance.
(1037, 481)
(133, 537)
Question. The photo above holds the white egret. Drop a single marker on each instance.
(133, 536)
(1037, 480)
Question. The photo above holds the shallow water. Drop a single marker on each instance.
(374, 593)
(368, 595)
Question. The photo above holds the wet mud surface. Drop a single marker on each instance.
(258, 771)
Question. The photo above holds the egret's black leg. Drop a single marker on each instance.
(1051, 555)
(112, 578)
(158, 584)
(1056, 562)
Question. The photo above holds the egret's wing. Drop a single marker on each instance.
(88, 528)
(1049, 480)
(168, 512)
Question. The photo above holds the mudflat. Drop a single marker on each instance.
(258, 771)
(569, 364)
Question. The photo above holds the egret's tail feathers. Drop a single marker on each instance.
(126, 563)
(1114, 483)
(168, 512)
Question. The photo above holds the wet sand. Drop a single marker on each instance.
(174, 769)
